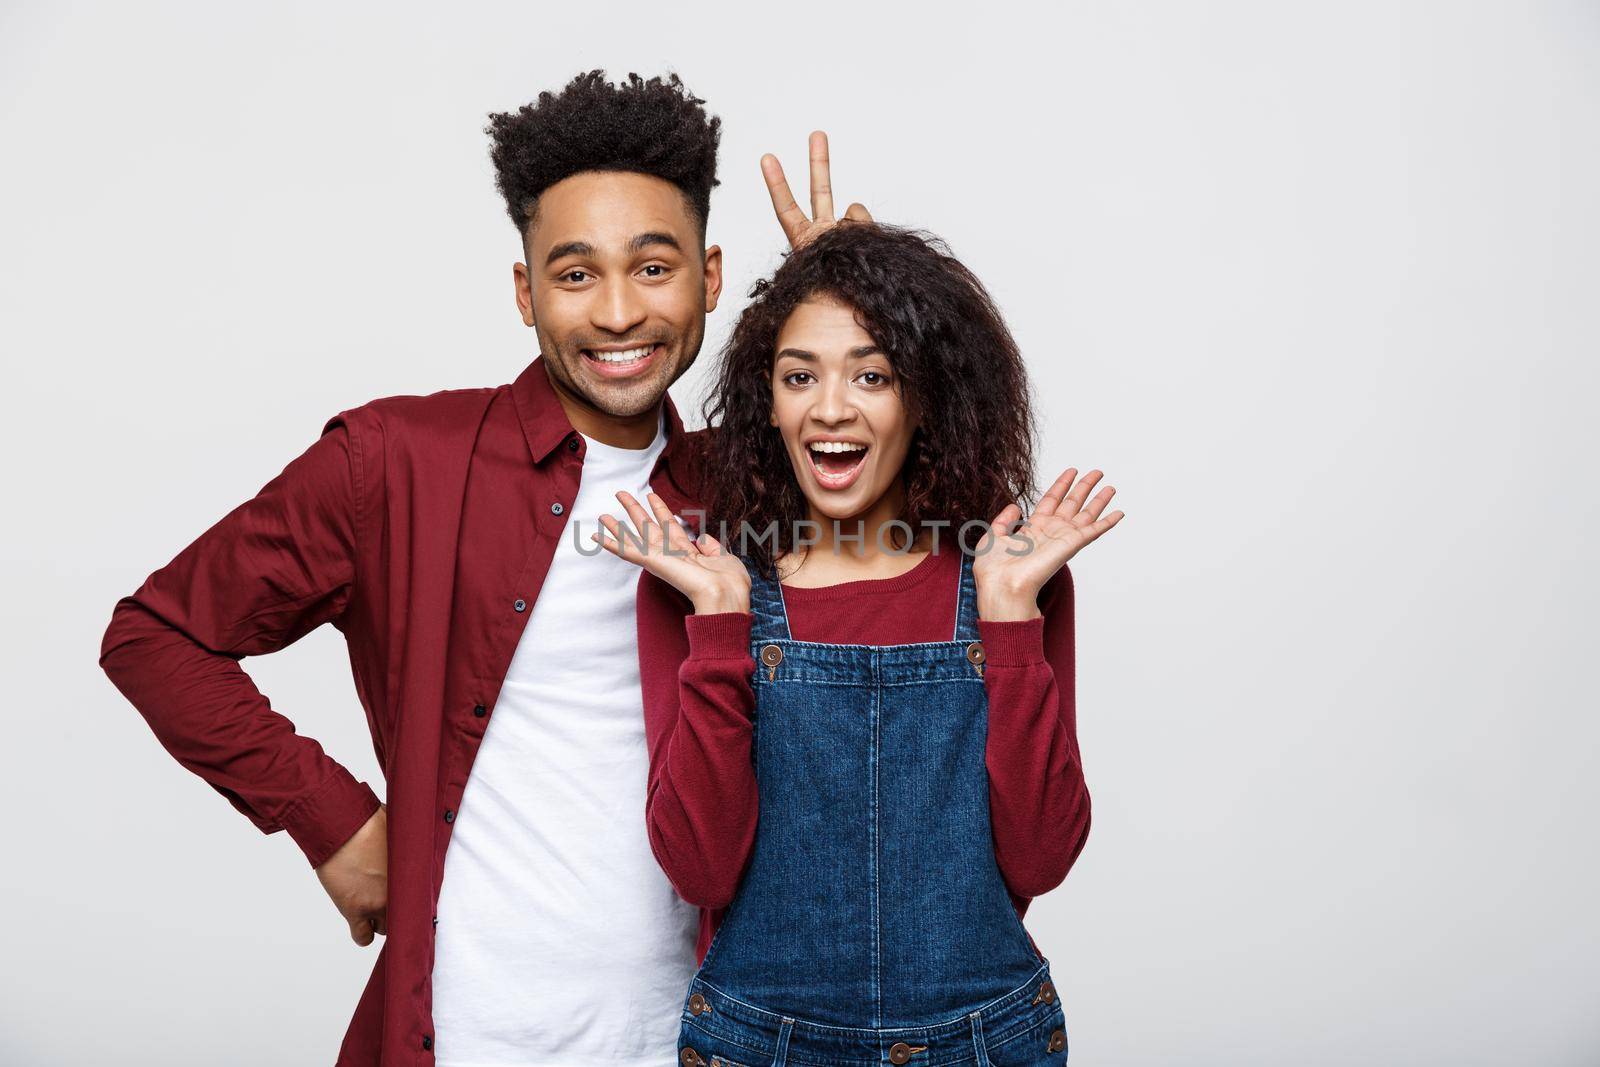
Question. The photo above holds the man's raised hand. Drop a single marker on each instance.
(796, 226)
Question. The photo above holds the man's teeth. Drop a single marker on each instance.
(837, 446)
(625, 356)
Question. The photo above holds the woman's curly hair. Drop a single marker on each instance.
(654, 127)
(959, 369)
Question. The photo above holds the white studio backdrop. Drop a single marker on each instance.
(1315, 284)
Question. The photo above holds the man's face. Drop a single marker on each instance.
(617, 287)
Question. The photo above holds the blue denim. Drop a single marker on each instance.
(871, 925)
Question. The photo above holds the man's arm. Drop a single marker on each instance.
(269, 572)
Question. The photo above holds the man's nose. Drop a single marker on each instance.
(617, 307)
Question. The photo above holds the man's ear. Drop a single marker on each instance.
(713, 276)
(524, 286)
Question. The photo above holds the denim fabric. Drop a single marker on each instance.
(872, 925)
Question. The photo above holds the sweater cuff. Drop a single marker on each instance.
(1013, 644)
(323, 820)
(724, 635)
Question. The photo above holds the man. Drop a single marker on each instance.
(493, 648)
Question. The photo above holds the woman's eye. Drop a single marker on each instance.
(874, 374)
(792, 375)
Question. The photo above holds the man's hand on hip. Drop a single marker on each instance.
(357, 878)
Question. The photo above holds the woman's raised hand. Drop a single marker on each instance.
(712, 579)
(796, 226)
(1009, 568)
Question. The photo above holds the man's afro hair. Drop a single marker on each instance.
(654, 127)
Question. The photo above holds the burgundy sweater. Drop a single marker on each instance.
(701, 799)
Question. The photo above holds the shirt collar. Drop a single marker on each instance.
(545, 423)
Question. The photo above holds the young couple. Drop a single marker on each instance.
(780, 797)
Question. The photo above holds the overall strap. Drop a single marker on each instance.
(966, 602)
(770, 620)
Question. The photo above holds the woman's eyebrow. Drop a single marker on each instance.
(858, 352)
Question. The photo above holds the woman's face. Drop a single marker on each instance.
(830, 383)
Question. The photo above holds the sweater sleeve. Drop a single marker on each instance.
(700, 798)
(1038, 801)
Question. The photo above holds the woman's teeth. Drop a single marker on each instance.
(836, 463)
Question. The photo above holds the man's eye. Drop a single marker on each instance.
(574, 275)
(656, 267)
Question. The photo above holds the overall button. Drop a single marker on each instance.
(975, 653)
(900, 1052)
(1058, 1041)
(690, 1058)
(697, 1004)
(1047, 993)
(772, 655)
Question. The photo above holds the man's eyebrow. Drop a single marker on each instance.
(645, 240)
(639, 243)
(858, 352)
(569, 248)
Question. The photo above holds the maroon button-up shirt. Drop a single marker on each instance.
(421, 527)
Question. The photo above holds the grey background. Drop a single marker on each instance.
(1313, 283)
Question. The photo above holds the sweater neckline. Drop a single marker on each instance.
(925, 569)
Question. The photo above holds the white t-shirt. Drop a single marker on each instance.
(560, 942)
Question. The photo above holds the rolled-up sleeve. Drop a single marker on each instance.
(269, 572)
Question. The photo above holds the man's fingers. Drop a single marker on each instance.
(790, 217)
(821, 182)
(361, 932)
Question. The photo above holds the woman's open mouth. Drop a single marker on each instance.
(836, 464)
(621, 362)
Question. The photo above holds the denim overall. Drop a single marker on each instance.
(871, 925)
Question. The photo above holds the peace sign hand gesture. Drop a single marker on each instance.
(1009, 571)
(796, 226)
(713, 580)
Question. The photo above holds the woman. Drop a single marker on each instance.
(864, 761)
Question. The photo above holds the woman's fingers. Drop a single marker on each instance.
(1058, 490)
(1092, 510)
(857, 213)
(1006, 519)
(677, 538)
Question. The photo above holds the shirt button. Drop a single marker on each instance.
(520, 605)
(427, 1044)
(449, 816)
(556, 508)
(572, 444)
(480, 711)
